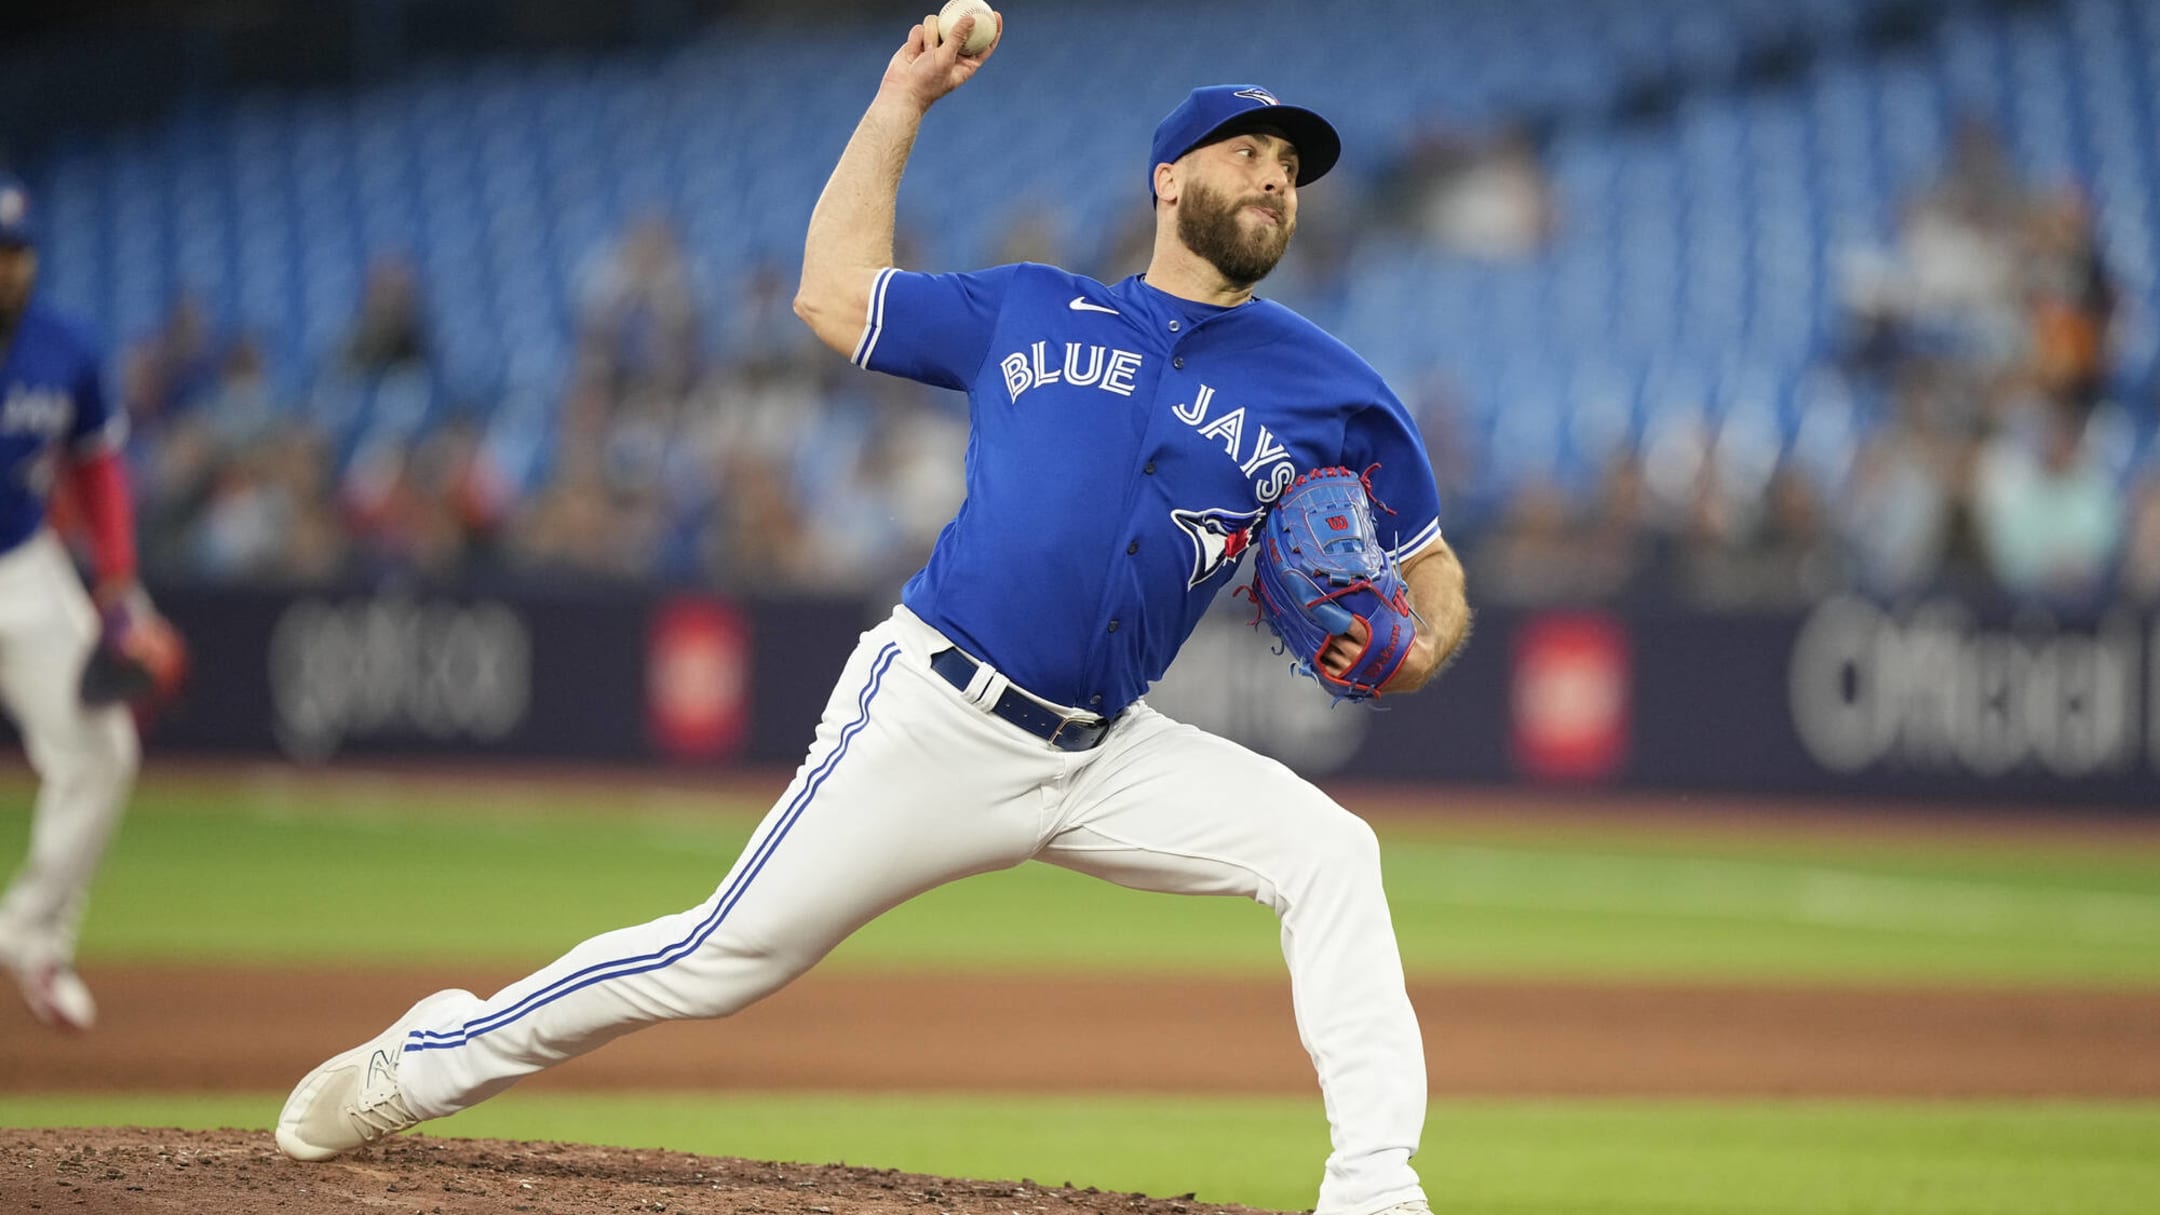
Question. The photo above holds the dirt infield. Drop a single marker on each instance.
(188, 1029)
(138, 1172)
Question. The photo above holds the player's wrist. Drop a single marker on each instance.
(124, 595)
(901, 101)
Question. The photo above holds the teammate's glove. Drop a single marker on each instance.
(1321, 566)
(139, 659)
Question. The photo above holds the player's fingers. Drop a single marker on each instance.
(947, 43)
(909, 51)
(963, 30)
(933, 37)
(995, 38)
(1332, 658)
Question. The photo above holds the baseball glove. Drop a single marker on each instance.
(139, 659)
(1320, 567)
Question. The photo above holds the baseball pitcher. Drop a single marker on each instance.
(1129, 441)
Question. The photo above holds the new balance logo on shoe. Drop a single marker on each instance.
(381, 1075)
(1080, 304)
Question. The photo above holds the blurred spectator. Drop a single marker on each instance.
(566, 531)
(2141, 554)
(237, 531)
(1622, 550)
(264, 516)
(638, 316)
(2049, 511)
(1783, 558)
(1950, 283)
(1436, 404)
(1531, 557)
(1895, 517)
(1125, 252)
(240, 407)
(391, 329)
(927, 447)
(761, 328)
(430, 510)
(1481, 197)
(2071, 300)
(1034, 233)
(761, 543)
(1978, 182)
(174, 480)
(316, 547)
(173, 369)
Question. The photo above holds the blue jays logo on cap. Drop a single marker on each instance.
(15, 226)
(1219, 111)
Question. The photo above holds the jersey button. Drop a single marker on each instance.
(1113, 626)
(1173, 326)
(1178, 362)
(1132, 548)
(1096, 699)
(1150, 469)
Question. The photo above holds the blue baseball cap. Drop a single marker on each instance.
(15, 226)
(1219, 111)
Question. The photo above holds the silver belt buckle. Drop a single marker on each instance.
(1064, 721)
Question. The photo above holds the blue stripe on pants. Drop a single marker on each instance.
(619, 968)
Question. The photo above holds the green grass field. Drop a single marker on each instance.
(263, 871)
(271, 871)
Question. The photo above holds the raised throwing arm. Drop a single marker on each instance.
(851, 229)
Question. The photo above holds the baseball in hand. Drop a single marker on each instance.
(985, 31)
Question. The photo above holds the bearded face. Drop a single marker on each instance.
(1241, 245)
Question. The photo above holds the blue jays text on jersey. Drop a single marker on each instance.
(52, 402)
(1123, 442)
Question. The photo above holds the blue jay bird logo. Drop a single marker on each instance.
(1218, 538)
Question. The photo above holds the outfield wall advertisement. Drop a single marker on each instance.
(1931, 699)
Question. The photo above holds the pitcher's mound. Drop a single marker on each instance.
(131, 1170)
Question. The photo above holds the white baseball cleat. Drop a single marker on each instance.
(353, 1100)
(56, 996)
(55, 993)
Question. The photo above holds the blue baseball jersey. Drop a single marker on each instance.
(52, 404)
(1123, 442)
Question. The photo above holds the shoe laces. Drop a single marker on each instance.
(384, 1117)
(381, 1107)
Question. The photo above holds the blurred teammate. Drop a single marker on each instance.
(58, 429)
(1126, 440)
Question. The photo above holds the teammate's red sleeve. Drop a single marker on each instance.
(101, 493)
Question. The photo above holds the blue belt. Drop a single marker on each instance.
(1064, 733)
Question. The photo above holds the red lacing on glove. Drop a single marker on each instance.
(1365, 479)
(1361, 584)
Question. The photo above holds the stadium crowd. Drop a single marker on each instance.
(701, 438)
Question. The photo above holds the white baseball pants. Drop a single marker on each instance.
(908, 786)
(85, 758)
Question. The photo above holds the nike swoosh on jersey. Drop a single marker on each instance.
(1080, 304)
